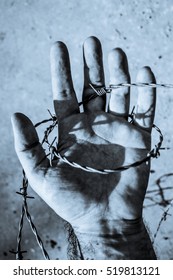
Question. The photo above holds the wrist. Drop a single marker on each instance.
(110, 228)
(118, 240)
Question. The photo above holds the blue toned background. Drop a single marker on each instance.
(144, 30)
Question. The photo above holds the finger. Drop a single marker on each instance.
(146, 102)
(119, 73)
(27, 146)
(93, 74)
(65, 101)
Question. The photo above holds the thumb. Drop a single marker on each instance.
(29, 151)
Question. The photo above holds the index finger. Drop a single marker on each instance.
(65, 101)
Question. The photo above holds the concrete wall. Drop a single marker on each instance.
(144, 29)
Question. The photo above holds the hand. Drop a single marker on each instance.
(93, 203)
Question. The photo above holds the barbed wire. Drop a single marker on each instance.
(103, 90)
(159, 192)
(163, 218)
(150, 85)
(54, 154)
(25, 212)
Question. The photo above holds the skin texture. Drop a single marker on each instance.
(104, 208)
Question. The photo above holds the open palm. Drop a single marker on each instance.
(94, 138)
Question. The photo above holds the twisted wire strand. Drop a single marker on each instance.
(19, 252)
(163, 218)
(105, 171)
(102, 90)
(23, 192)
(34, 230)
(150, 85)
(154, 153)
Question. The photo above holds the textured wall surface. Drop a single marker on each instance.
(144, 30)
